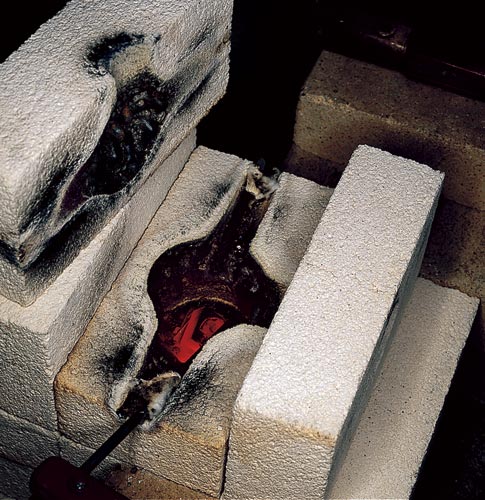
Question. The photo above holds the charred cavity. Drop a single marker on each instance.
(127, 142)
(212, 281)
(100, 55)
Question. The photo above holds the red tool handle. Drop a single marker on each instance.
(57, 479)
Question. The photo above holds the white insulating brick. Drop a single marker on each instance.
(191, 441)
(57, 94)
(346, 102)
(300, 402)
(188, 445)
(14, 480)
(36, 340)
(391, 438)
(126, 319)
(292, 216)
(25, 443)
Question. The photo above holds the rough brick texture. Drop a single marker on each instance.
(25, 443)
(346, 102)
(14, 480)
(302, 398)
(195, 429)
(91, 104)
(385, 455)
(36, 340)
(295, 211)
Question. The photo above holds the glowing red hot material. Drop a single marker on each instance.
(202, 287)
(194, 332)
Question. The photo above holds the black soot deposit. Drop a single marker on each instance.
(200, 289)
(218, 274)
(195, 382)
(113, 365)
(100, 55)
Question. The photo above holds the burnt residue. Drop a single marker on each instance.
(134, 402)
(61, 248)
(198, 40)
(193, 95)
(142, 394)
(8, 252)
(67, 241)
(135, 127)
(128, 140)
(115, 364)
(195, 382)
(209, 33)
(280, 212)
(43, 203)
(132, 132)
(40, 209)
(144, 110)
(100, 55)
(217, 273)
(211, 201)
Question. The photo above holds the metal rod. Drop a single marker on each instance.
(113, 441)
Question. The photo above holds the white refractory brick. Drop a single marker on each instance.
(14, 480)
(35, 340)
(108, 356)
(391, 439)
(346, 102)
(192, 438)
(223, 363)
(302, 397)
(90, 105)
(189, 444)
(26, 443)
(293, 215)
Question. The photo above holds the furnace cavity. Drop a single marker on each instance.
(199, 289)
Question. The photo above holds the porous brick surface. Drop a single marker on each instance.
(25, 443)
(91, 104)
(294, 213)
(85, 386)
(195, 428)
(302, 398)
(346, 102)
(188, 446)
(386, 452)
(36, 340)
(14, 480)
(94, 382)
(77, 454)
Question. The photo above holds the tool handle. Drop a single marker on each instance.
(113, 441)
(57, 479)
